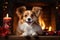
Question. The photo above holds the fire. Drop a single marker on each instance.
(42, 24)
(50, 28)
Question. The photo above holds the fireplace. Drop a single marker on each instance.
(47, 19)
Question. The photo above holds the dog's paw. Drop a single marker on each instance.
(24, 34)
(34, 34)
(21, 35)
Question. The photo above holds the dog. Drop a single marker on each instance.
(27, 24)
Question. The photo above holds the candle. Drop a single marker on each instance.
(6, 24)
(7, 17)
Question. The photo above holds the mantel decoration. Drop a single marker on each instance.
(5, 29)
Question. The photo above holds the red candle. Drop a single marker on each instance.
(7, 18)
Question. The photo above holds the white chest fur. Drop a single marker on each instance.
(28, 29)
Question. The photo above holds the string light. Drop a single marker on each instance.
(5, 7)
(57, 7)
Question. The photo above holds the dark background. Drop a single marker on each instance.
(13, 3)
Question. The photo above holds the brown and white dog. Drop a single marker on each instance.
(27, 24)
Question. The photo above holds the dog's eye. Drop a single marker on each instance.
(32, 15)
(25, 15)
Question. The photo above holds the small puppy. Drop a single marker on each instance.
(27, 24)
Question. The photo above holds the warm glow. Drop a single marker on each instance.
(50, 28)
(7, 15)
(42, 24)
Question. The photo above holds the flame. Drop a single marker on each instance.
(50, 28)
(42, 24)
(7, 15)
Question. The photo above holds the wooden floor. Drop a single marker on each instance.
(14, 37)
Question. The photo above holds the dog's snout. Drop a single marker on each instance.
(29, 19)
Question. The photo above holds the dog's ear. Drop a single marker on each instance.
(36, 10)
(20, 10)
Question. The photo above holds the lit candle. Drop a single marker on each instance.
(6, 24)
(7, 17)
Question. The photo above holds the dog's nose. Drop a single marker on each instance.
(29, 19)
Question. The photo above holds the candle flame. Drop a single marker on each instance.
(7, 15)
(50, 28)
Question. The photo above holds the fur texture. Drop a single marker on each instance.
(27, 24)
